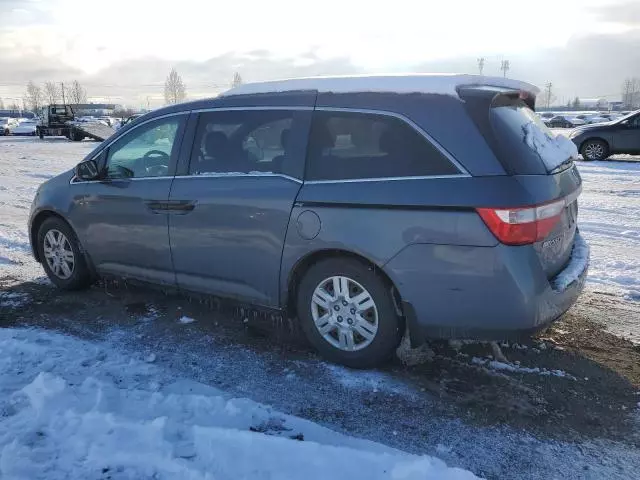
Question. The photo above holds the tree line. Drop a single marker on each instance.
(175, 90)
(36, 96)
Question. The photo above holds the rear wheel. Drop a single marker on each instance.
(76, 136)
(594, 150)
(348, 314)
(61, 255)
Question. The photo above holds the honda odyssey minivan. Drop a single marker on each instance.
(365, 207)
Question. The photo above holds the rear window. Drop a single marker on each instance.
(353, 145)
(520, 140)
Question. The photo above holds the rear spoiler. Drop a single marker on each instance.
(496, 92)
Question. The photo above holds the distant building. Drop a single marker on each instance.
(95, 108)
(594, 104)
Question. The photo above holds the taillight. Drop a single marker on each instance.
(522, 226)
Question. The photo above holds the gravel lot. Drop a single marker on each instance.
(565, 406)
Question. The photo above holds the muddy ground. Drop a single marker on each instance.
(592, 395)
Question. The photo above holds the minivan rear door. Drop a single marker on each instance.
(540, 161)
(234, 198)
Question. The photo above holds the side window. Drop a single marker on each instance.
(346, 145)
(635, 122)
(146, 151)
(243, 142)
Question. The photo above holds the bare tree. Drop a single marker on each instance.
(1, 104)
(14, 106)
(576, 103)
(76, 93)
(175, 91)
(631, 92)
(237, 80)
(34, 97)
(481, 61)
(52, 92)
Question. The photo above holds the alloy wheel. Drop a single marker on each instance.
(594, 151)
(59, 254)
(344, 313)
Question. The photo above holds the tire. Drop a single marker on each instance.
(79, 274)
(41, 134)
(359, 352)
(7, 132)
(594, 150)
(76, 136)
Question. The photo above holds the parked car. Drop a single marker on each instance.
(362, 206)
(27, 127)
(6, 124)
(546, 116)
(597, 142)
(591, 119)
(565, 121)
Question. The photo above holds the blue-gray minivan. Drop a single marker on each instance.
(436, 206)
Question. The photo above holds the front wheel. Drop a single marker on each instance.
(348, 313)
(594, 150)
(61, 255)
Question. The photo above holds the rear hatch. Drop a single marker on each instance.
(541, 163)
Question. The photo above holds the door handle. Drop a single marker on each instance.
(178, 207)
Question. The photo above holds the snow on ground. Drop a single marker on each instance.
(72, 409)
(609, 219)
(25, 163)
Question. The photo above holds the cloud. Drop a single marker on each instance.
(627, 13)
(593, 65)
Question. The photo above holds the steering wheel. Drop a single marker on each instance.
(156, 163)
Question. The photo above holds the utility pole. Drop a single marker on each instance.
(504, 66)
(148, 108)
(481, 65)
(547, 89)
(63, 101)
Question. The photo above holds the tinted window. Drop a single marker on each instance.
(243, 142)
(634, 122)
(355, 145)
(145, 151)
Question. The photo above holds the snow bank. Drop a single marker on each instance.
(552, 149)
(70, 409)
(577, 265)
(438, 83)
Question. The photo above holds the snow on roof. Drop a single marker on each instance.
(435, 83)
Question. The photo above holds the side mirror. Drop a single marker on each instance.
(87, 170)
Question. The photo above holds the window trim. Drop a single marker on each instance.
(199, 113)
(411, 124)
(105, 148)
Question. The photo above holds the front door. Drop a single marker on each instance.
(124, 216)
(629, 136)
(243, 177)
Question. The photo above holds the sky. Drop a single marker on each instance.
(122, 50)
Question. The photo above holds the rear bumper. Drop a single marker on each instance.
(483, 293)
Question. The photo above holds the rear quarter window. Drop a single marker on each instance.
(353, 145)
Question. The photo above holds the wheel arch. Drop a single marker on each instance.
(304, 263)
(36, 223)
